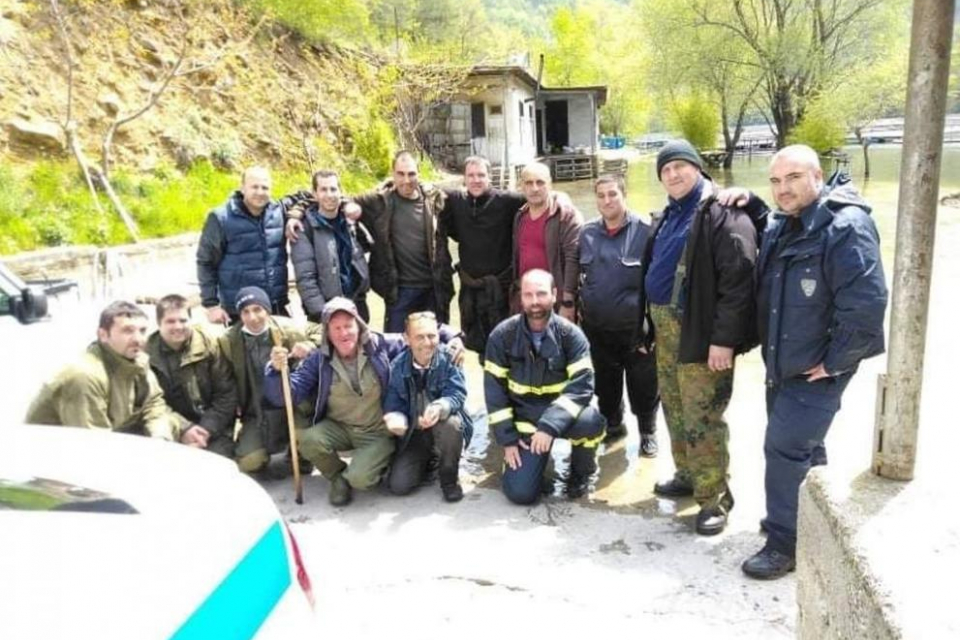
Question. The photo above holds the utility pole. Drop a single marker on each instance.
(898, 402)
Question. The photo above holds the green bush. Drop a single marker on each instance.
(697, 119)
(819, 131)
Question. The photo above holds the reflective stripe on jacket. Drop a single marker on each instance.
(528, 390)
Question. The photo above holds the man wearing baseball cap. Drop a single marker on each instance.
(350, 375)
(698, 285)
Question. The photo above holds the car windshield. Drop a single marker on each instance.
(47, 494)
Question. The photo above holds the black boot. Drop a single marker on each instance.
(583, 464)
(769, 564)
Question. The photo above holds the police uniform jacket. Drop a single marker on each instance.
(822, 293)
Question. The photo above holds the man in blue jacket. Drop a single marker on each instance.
(425, 410)
(612, 313)
(350, 374)
(821, 301)
(242, 245)
(538, 383)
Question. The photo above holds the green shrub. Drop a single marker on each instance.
(819, 131)
(697, 119)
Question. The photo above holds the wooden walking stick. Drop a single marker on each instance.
(291, 425)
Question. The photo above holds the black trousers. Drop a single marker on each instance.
(615, 359)
(411, 465)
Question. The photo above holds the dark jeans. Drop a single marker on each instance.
(799, 414)
(522, 486)
(615, 358)
(411, 464)
(409, 300)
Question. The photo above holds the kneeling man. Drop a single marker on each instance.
(425, 410)
(538, 382)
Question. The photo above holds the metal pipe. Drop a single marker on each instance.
(895, 448)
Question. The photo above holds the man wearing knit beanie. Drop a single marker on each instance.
(698, 285)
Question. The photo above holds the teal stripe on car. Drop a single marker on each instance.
(240, 604)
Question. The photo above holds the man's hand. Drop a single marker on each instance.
(218, 315)
(511, 455)
(570, 313)
(720, 358)
(816, 373)
(279, 357)
(457, 351)
(302, 349)
(293, 229)
(733, 197)
(541, 442)
(195, 436)
(352, 211)
(395, 424)
(430, 417)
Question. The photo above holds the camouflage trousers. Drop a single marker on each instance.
(694, 399)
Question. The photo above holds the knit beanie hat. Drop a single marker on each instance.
(678, 150)
(253, 295)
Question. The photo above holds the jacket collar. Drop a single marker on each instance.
(117, 363)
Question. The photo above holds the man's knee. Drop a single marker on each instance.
(402, 482)
(253, 461)
(523, 489)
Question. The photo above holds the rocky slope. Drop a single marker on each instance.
(245, 90)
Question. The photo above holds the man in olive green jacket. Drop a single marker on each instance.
(111, 386)
(246, 347)
(196, 379)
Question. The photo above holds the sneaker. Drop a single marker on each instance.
(340, 491)
(648, 445)
(452, 492)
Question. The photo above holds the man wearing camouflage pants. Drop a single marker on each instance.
(698, 282)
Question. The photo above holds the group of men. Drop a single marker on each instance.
(558, 311)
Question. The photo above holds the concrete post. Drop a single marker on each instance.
(899, 401)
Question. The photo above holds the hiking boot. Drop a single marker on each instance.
(674, 488)
(648, 445)
(711, 521)
(615, 433)
(768, 564)
(340, 491)
(452, 492)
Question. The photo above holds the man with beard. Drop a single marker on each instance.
(538, 383)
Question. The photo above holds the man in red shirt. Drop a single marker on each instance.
(547, 236)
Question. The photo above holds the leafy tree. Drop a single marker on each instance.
(819, 129)
(799, 44)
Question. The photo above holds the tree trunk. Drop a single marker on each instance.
(865, 143)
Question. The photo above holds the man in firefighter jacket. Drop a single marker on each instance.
(538, 382)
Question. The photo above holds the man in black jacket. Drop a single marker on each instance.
(698, 283)
(480, 219)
